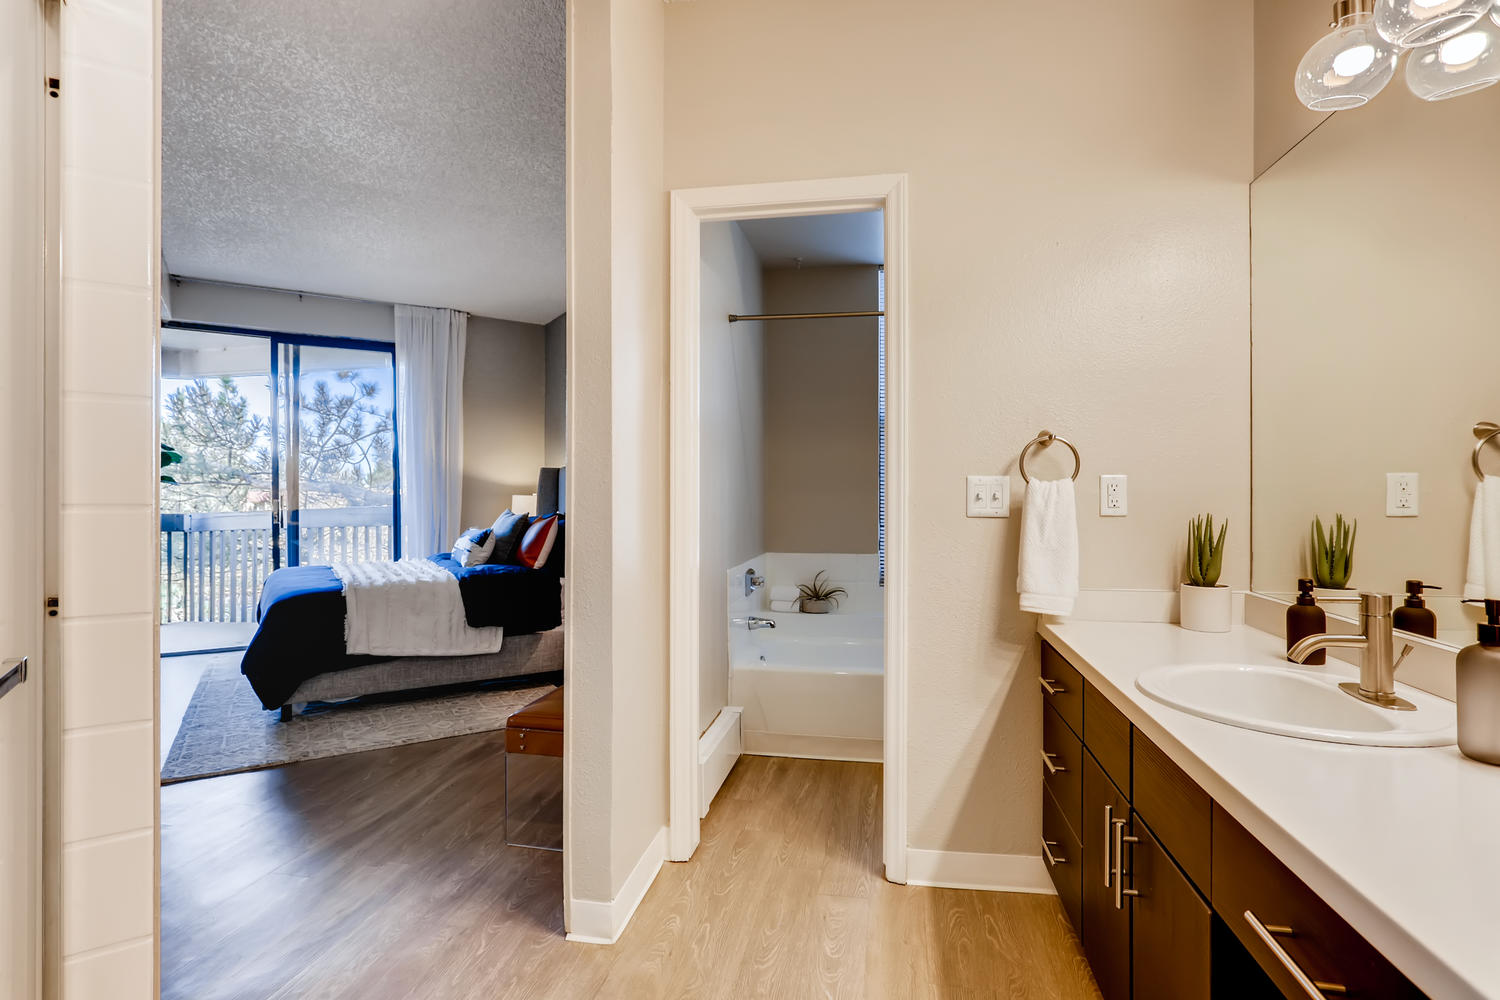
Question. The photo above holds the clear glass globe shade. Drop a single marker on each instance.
(1410, 23)
(1347, 67)
(1460, 65)
(1495, 13)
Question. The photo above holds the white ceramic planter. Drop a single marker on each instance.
(1207, 609)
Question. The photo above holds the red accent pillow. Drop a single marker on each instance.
(536, 546)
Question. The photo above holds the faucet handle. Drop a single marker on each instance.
(1402, 658)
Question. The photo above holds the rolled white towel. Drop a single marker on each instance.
(785, 607)
(784, 592)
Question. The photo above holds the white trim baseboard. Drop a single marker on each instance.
(718, 749)
(599, 922)
(990, 872)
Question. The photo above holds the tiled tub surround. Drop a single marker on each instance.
(1400, 842)
(814, 685)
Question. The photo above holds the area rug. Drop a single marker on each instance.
(225, 731)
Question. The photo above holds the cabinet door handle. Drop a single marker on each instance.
(1052, 860)
(1051, 686)
(1051, 767)
(1315, 989)
(1120, 840)
(1109, 826)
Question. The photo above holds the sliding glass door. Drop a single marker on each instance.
(288, 457)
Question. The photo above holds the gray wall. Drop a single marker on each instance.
(555, 450)
(283, 312)
(730, 419)
(821, 428)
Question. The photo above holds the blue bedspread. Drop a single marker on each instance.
(301, 631)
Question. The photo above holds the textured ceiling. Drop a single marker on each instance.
(402, 151)
(819, 240)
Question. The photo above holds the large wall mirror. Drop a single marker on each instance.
(1376, 342)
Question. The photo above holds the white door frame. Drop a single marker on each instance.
(690, 209)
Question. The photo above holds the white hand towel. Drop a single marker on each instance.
(1483, 579)
(784, 592)
(1048, 577)
(785, 607)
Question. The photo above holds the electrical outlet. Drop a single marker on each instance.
(1113, 499)
(1402, 494)
(987, 496)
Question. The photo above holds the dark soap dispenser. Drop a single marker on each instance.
(1414, 615)
(1305, 618)
(1479, 691)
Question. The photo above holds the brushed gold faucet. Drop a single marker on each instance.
(1377, 665)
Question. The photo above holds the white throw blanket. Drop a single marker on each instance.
(1483, 580)
(408, 608)
(1048, 577)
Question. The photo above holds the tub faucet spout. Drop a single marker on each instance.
(754, 622)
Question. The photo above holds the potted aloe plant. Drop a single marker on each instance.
(1207, 606)
(818, 597)
(1332, 552)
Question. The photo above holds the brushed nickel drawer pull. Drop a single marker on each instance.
(1109, 825)
(1051, 686)
(1120, 840)
(1315, 989)
(1051, 767)
(1052, 859)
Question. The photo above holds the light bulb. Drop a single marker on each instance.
(1460, 65)
(1411, 23)
(1347, 67)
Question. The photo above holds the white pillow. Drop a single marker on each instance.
(474, 547)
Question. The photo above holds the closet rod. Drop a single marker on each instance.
(835, 315)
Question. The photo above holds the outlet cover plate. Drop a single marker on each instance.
(1114, 498)
(1403, 494)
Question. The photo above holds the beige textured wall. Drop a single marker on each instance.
(822, 430)
(1284, 30)
(731, 481)
(555, 446)
(504, 389)
(1078, 262)
(617, 444)
(1374, 313)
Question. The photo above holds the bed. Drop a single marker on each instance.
(298, 654)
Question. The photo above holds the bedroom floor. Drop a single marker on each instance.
(384, 875)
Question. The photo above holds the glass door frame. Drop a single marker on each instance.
(287, 520)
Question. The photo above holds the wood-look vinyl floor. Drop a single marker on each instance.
(385, 876)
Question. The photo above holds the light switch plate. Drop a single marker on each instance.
(987, 496)
(1402, 494)
(1113, 497)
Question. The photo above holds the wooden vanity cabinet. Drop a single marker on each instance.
(1164, 875)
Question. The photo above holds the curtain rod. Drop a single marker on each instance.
(300, 293)
(830, 315)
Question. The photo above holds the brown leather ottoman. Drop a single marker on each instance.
(533, 774)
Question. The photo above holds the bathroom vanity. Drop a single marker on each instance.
(1200, 859)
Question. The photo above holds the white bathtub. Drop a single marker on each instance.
(814, 686)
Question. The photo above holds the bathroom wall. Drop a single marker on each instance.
(555, 448)
(1284, 31)
(821, 425)
(1079, 250)
(731, 483)
(1374, 261)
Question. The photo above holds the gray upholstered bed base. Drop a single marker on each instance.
(538, 653)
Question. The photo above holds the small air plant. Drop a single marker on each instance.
(1333, 552)
(1205, 553)
(818, 597)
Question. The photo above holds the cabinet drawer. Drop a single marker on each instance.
(1063, 856)
(1062, 767)
(1062, 688)
(1249, 879)
(1175, 808)
(1107, 733)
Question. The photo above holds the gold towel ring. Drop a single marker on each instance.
(1047, 437)
(1485, 432)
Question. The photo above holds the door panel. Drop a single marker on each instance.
(1106, 928)
(21, 377)
(1171, 925)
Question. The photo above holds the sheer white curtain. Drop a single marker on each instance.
(429, 425)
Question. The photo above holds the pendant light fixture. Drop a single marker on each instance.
(1462, 64)
(1347, 67)
(1411, 23)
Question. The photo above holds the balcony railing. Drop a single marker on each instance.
(214, 565)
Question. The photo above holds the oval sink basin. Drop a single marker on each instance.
(1306, 704)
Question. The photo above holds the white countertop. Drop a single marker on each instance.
(1404, 843)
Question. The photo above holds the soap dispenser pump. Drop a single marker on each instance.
(1305, 618)
(1479, 691)
(1414, 615)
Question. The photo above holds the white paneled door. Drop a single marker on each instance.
(22, 105)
